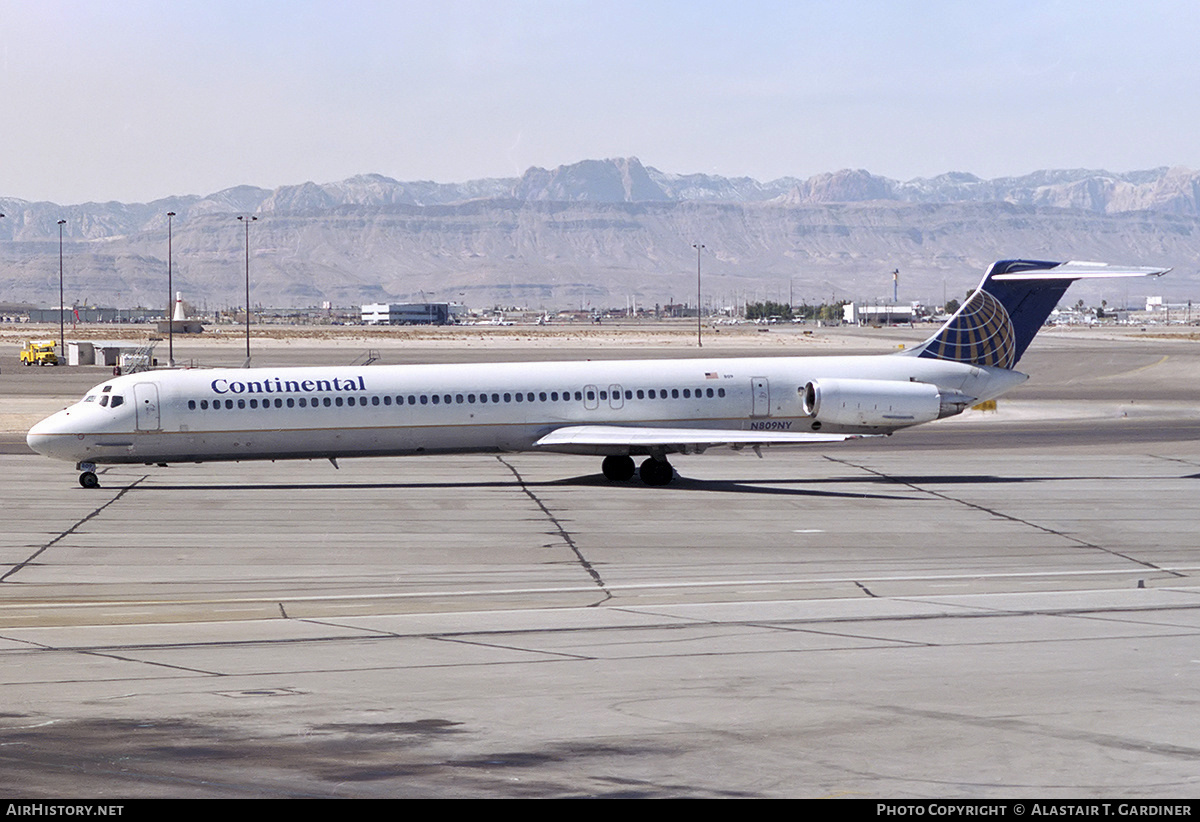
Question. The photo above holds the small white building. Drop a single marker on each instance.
(103, 352)
(876, 314)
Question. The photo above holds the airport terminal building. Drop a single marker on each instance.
(408, 314)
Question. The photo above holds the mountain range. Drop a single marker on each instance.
(597, 233)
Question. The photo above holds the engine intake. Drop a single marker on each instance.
(878, 403)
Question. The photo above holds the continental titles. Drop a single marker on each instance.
(274, 385)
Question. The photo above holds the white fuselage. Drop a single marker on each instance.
(294, 413)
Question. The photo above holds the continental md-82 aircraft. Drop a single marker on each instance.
(618, 410)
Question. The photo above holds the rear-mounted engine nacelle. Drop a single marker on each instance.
(878, 403)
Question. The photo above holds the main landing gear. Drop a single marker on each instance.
(654, 471)
(618, 468)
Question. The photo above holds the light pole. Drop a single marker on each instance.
(170, 299)
(699, 339)
(246, 222)
(62, 334)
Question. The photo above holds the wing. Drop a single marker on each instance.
(621, 438)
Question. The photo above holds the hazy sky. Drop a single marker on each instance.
(134, 100)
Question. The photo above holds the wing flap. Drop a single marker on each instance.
(678, 438)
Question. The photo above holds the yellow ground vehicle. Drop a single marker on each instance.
(39, 353)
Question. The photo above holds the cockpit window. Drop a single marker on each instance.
(117, 400)
(90, 398)
(104, 401)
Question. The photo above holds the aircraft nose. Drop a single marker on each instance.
(47, 439)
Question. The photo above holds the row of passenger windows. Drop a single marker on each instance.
(592, 395)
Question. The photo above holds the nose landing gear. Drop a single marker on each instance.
(88, 478)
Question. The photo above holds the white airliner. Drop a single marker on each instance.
(618, 410)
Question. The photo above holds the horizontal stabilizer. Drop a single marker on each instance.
(677, 438)
(1076, 270)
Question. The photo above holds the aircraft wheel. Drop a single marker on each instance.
(656, 472)
(88, 479)
(618, 468)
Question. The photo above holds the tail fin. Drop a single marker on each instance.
(997, 323)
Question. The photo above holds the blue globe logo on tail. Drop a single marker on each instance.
(1002, 317)
(981, 333)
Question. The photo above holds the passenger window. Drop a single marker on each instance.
(229, 405)
(349, 401)
(720, 392)
(458, 398)
(191, 405)
(687, 393)
(328, 402)
(254, 403)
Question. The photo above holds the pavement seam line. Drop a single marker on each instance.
(1009, 517)
(563, 533)
(4, 577)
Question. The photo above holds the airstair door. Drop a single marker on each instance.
(145, 398)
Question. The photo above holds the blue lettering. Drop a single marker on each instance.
(274, 385)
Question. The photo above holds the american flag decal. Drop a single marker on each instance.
(710, 375)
